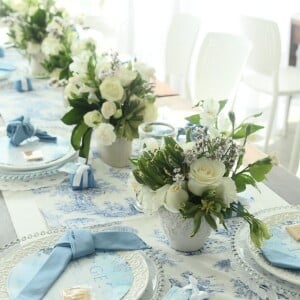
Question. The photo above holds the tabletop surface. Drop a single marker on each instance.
(112, 203)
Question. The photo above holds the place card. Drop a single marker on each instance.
(294, 231)
(33, 155)
(77, 292)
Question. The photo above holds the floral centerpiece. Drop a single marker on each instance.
(200, 179)
(28, 23)
(57, 48)
(107, 96)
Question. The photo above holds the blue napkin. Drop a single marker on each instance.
(23, 85)
(20, 129)
(83, 178)
(2, 52)
(74, 245)
(281, 250)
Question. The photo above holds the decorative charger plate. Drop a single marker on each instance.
(12, 158)
(146, 272)
(254, 271)
(279, 222)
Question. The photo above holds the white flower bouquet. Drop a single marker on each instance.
(108, 96)
(57, 48)
(28, 21)
(201, 178)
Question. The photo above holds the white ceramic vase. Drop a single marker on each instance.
(116, 155)
(178, 231)
(36, 68)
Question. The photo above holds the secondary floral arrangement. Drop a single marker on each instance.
(57, 48)
(28, 23)
(201, 178)
(108, 96)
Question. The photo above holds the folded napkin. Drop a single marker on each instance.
(281, 250)
(23, 85)
(20, 129)
(2, 52)
(188, 292)
(74, 245)
(83, 178)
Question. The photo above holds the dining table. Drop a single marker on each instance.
(37, 207)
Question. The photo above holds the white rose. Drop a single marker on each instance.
(105, 134)
(150, 113)
(150, 200)
(33, 48)
(176, 198)
(227, 190)
(111, 89)
(92, 118)
(145, 71)
(204, 172)
(108, 109)
(125, 76)
(51, 46)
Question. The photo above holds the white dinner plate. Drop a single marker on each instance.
(12, 158)
(280, 221)
(95, 271)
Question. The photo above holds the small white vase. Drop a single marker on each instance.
(116, 155)
(36, 68)
(179, 230)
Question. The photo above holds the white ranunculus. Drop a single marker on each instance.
(136, 187)
(148, 144)
(19, 6)
(151, 200)
(176, 198)
(51, 45)
(187, 146)
(226, 190)
(145, 71)
(105, 134)
(108, 109)
(150, 113)
(204, 173)
(55, 73)
(224, 124)
(85, 88)
(82, 45)
(92, 118)
(33, 48)
(274, 159)
(56, 25)
(72, 87)
(125, 76)
(111, 89)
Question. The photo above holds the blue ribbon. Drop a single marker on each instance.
(20, 129)
(83, 178)
(23, 85)
(2, 53)
(74, 245)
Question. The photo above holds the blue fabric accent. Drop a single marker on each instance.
(86, 178)
(20, 129)
(72, 245)
(2, 53)
(6, 66)
(21, 88)
(177, 293)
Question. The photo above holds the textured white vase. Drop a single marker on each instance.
(36, 68)
(179, 230)
(116, 155)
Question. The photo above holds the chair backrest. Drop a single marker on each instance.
(265, 38)
(219, 66)
(180, 43)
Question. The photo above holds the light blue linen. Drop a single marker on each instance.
(72, 245)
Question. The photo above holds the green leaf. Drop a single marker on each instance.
(211, 221)
(242, 180)
(222, 104)
(73, 116)
(197, 222)
(246, 129)
(77, 134)
(259, 170)
(194, 119)
(85, 146)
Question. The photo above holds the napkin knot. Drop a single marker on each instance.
(20, 129)
(83, 178)
(23, 84)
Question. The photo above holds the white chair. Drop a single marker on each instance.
(264, 62)
(219, 66)
(181, 38)
(294, 163)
